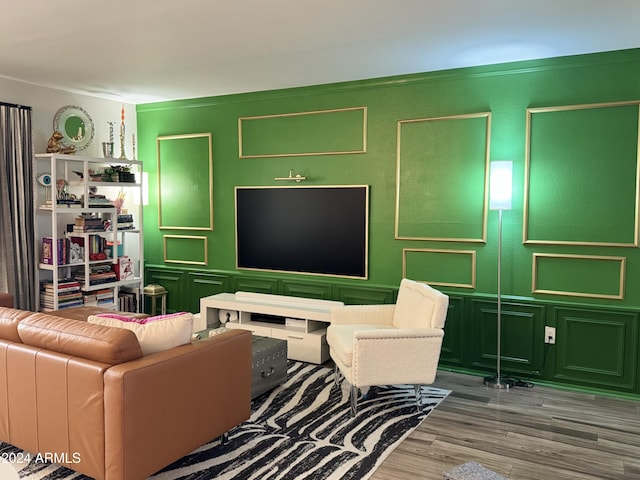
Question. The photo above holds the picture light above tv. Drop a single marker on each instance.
(321, 230)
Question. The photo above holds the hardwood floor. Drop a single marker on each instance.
(522, 433)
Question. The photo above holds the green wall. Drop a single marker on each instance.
(580, 221)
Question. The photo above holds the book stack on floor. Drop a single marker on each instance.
(68, 291)
(127, 301)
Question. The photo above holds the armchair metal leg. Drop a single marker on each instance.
(353, 397)
(336, 375)
(418, 391)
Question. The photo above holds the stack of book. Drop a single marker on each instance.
(98, 297)
(104, 296)
(127, 301)
(67, 291)
(84, 223)
(98, 274)
(99, 201)
(125, 221)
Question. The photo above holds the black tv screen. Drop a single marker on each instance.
(303, 229)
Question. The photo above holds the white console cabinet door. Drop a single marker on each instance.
(305, 347)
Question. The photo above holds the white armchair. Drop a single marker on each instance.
(389, 344)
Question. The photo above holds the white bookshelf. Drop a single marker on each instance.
(83, 186)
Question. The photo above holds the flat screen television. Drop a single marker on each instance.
(319, 230)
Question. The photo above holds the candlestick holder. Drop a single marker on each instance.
(123, 156)
(111, 124)
(107, 149)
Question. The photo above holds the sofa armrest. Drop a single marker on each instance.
(396, 356)
(398, 333)
(363, 314)
(6, 300)
(163, 406)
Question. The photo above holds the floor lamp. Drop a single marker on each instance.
(500, 173)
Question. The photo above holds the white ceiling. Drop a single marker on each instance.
(151, 50)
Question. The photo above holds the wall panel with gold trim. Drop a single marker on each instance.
(185, 182)
(187, 249)
(450, 268)
(323, 132)
(441, 178)
(589, 276)
(574, 154)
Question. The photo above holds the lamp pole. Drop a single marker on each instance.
(499, 199)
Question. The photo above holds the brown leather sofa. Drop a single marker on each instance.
(6, 300)
(85, 394)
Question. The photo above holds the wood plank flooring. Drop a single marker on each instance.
(522, 433)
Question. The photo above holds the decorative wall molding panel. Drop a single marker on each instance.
(430, 150)
(338, 131)
(447, 268)
(574, 154)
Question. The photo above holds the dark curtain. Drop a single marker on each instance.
(17, 217)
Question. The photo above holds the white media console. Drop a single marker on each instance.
(302, 322)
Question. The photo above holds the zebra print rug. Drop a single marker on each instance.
(301, 430)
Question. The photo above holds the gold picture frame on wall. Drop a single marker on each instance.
(185, 181)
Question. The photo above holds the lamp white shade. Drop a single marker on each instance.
(500, 188)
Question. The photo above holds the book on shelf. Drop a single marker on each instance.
(125, 221)
(67, 292)
(51, 308)
(98, 297)
(64, 285)
(78, 229)
(127, 301)
(88, 223)
(60, 291)
(60, 246)
(99, 201)
(123, 268)
(105, 298)
(98, 274)
(96, 245)
(70, 297)
(96, 279)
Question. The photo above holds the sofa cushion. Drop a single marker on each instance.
(83, 312)
(340, 339)
(419, 306)
(93, 342)
(155, 334)
(9, 320)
